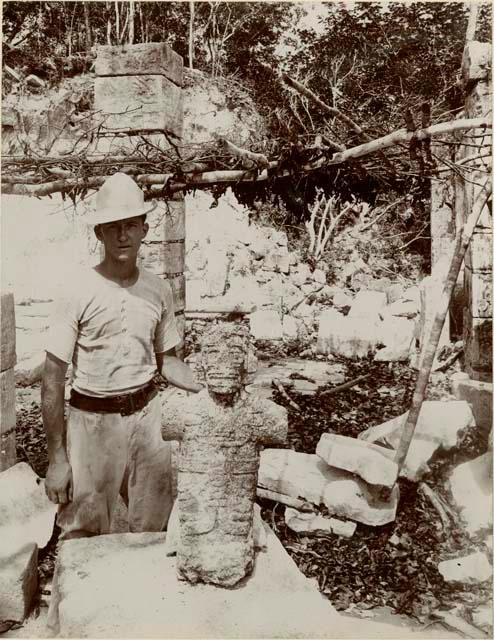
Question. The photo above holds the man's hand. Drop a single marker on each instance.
(177, 372)
(58, 483)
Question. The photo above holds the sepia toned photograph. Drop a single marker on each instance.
(246, 319)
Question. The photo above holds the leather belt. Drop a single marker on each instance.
(125, 404)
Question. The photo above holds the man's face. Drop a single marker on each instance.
(224, 365)
(122, 238)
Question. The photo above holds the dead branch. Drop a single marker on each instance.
(281, 389)
(381, 215)
(436, 502)
(345, 386)
(458, 624)
(326, 230)
(250, 160)
(296, 503)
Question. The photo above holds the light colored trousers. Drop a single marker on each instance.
(111, 454)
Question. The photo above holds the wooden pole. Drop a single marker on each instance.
(430, 347)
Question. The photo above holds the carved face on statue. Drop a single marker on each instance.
(224, 357)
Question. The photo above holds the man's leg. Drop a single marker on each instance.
(97, 446)
(149, 487)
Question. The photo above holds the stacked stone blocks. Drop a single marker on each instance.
(7, 382)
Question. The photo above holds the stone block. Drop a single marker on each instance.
(178, 289)
(368, 305)
(29, 371)
(151, 58)
(478, 293)
(265, 324)
(26, 514)
(306, 476)
(310, 522)
(470, 485)
(341, 300)
(277, 261)
(8, 454)
(348, 337)
(290, 328)
(479, 397)
(397, 335)
(18, 583)
(476, 62)
(479, 252)
(163, 258)
(7, 331)
(101, 582)
(134, 103)
(477, 335)
(430, 293)
(471, 569)
(368, 461)
(7, 401)
(441, 426)
(166, 222)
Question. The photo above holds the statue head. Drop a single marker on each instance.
(224, 357)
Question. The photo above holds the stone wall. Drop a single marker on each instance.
(477, 321)
(7, 382)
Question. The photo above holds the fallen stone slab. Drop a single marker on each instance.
(441, 426)
(26, 514)
(306, 476)
(482, 617)
(478, 394)
(397, 335)
(471, 569)
(311, 522)
(371, 462)
(368, 305)
(350, 337)
(265, 324)
(125, 586)
(18, 582)
(470, 486)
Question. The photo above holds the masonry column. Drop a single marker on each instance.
(477, 321)
(7, 382)
(138, 91)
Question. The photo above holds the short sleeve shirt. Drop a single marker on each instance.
(111, 333)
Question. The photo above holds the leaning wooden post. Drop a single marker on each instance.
(430, 347)
(7, 382)
(138, 92)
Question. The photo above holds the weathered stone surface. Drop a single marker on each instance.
(478, 395)
(477, 337)
(478, 293)
(476, 62)
(301, 274)
(277, 261)
(470, 484)
(371, 462)
(7, 401)
(18, 582)
(309, 522)
(265, 324)
(402, 308)
(341, 300)
(290, 328)
(319, 276)
(368, 305)
(7, 331)
(471, 569)
(440, 426)
(345, 336)
(8, 454)
(177, 285)
(166, 221)
(482, 617)
(306, 476)
(397, 335)
(430, 293)
(162, 258)
(102, 581)
(26, 514)
(479, 252)
(30, 370)
(133, 103)
(151, 58)
(220, 433)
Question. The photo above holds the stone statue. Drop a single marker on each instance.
(220, 430)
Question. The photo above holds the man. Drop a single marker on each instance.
(116, 325)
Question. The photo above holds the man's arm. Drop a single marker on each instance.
(177, 372)
(58, 483)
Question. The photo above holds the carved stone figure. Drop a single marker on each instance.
(220, 430)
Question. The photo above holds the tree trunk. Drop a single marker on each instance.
(191, 34)
(87, 27)
(131, 10)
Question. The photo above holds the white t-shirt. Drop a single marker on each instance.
(111, 333)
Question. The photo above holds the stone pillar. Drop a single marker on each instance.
(138, 91)
(7, 382)
(477, 319)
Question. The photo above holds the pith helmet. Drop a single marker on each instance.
(118, 198)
